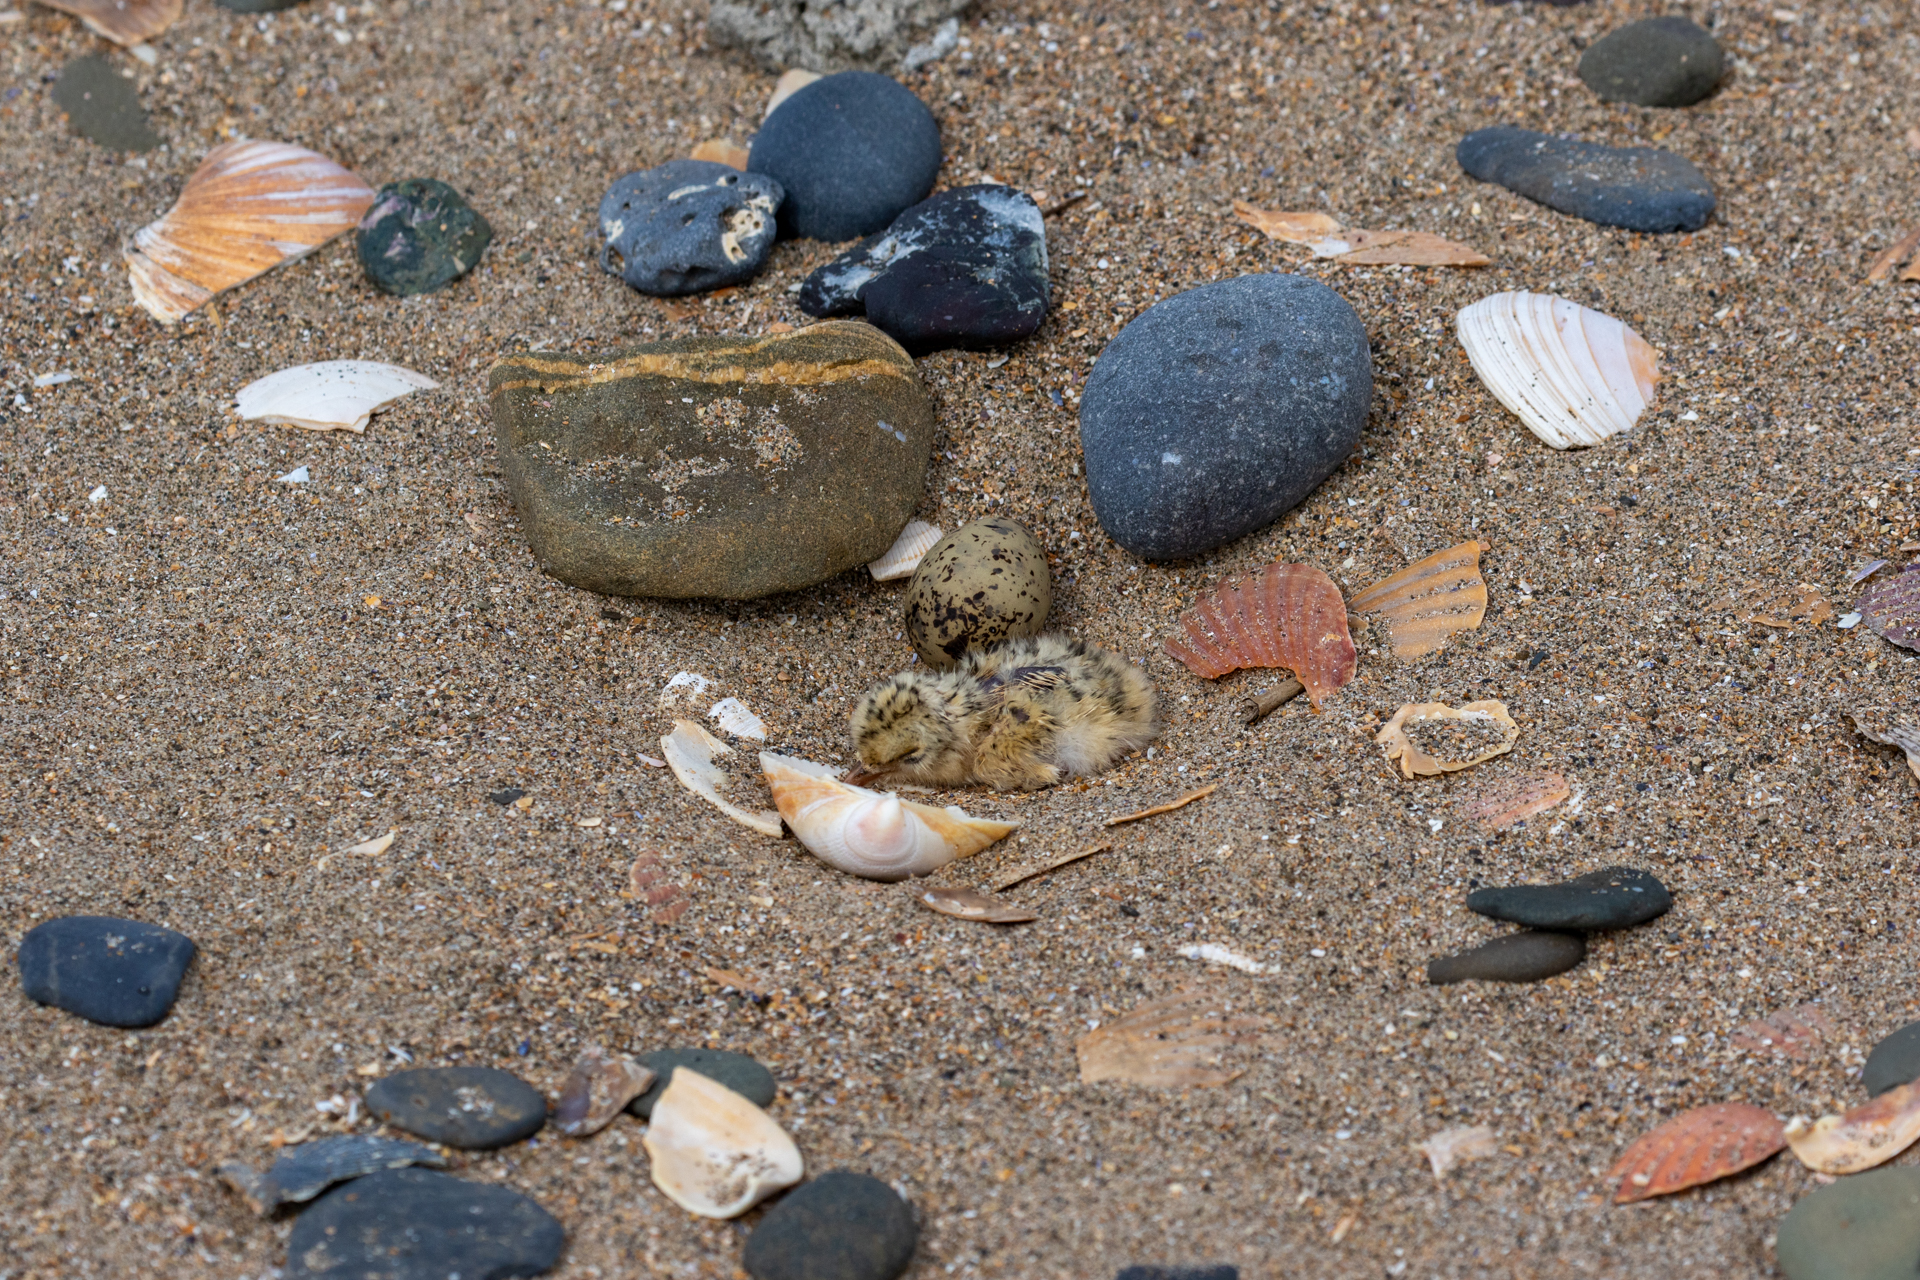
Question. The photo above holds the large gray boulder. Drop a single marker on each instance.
(836, 35)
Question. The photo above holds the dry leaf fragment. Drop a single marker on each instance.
(1797, 1033)
(1777, 606)
(1431, 738)
(1510, 800)
(972, 904)
(722, 151)
(1695, 1147)
(125, 22)
(1893, 255)
(1452, 1147)
(1904, 734)
(1287, 615)
(690, 750)
(1168, 807)
(1429, 600)
(1328, 239)
(1166, 1043)
(1868, 1135)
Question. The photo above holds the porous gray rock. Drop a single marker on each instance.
(834, 35)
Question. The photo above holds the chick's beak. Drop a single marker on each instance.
(860, 775)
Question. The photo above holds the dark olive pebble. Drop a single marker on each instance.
(1517, 957)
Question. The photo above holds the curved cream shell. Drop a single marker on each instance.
(1574, 376)
(714, 1153)
(1868, 1135)
(907, 551)
(871, 833)
(333, 395)
(690, 750)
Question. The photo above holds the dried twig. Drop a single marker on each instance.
(1168, 807)
(1015, 877)
(1254, 709)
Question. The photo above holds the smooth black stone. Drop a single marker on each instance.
(1178, 1273)
(303, 1172)
(840, 1226)
(736, 1071)
(414, 1224)
(1893, 1062)
(965, 268)
(1863, 1227)
(475, 1108)
(1635, 188)
(418, 235)
(103, 106)
(505, 796)
(852, 151)
(1611, 898)
(1657, 62)
(119, 973)
(1518, 957)
(1218, 410)
(688, 226)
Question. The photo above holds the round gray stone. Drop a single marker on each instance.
(841, 1226)
(102, 105)
(1634, 188)
(1219, 410)
(1517, 957)
(853, 152)
(1864, 1227)
(1668, 61)
(1893, 1062)
(744, 1075)
(688, 226)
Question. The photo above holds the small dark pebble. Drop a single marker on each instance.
(102, 105)
(1178, 1273)
(506, 795)
(1634, 188)
(1668, 61)
(1611, 898)
(852, 151)
(419, 235)
(840, 1226)
(1893, 1062)
(1864, 1227)
(414, 1224)
(475, 1108)
(736, 1071)
(688, 226)
(1518, 957)
(303, 1172)
(119, 973)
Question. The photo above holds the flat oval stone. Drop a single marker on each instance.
(744, 1075)
(1611, 898)
(728, 468)
(1218, 410)
(840, 1226)
(1863, 1227)
(1668, 61)
(474, 1108)
(852, 151)
(102, 106)
(965, 268)
(119, 973)
(1893, 1062)
(1635, 188)
(1517, 957)
(688, 226)
(303, 1172)
(418, 235)
(414, 1224)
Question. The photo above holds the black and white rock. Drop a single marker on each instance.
(1668, 61)
(840, 1226)
(304, 1171)
(1863, 1227)
(965, 268)
(119, 973)
(852, 152)
(474, 1108)
(744, 1075)
(688, 226)
(1893, 1062)
(414, 1224)
(1634, 188)
(1517, 957)
(101, 105)
(1611, 898)
(1219, 410)
(418, 235)
(878, 35)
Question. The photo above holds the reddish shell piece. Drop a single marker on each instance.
(1701, 1145)
(1795, 1032)
(1891, 607)
(1511, 800)
(1287, 615)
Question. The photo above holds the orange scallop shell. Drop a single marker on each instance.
(1694, 1147)
(1287, 615)
(1429, 600)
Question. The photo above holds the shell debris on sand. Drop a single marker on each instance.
(904, 556)
(1450, 1148)
(598, 1089)
(125, 22)
(1574, 376)
(1287, 615)
(1323, 234)
(1506, 801)
(973, 904)
(1868, 1135)
(1695, 1147)
(1168, 1043)
(1797, 1033)
(714, 1153)
(1213, 953)
(738, 719)
(1896, 732)
(333, 395)
(1431, 738)
(873, 834)
(1429, 600)
(1891, 607)
(690, 752)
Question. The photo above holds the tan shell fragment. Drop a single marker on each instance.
(714, 1153)
(1573, 375)
(598, 1089)
(1511, 800)
(972, 904)
(1452, 1147)
(722, 151)
(1166, 1044)
(1431, 738)
(1797, 1033)
(1429, 600)
(1868, 1135)
(874, 834)
(907, 551)
(1328, 239)
(690, 750)
(125, 22)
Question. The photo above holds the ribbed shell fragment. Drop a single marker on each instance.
(1574, 376)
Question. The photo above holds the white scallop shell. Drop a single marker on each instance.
(907, 551)
(333, 395)
(871, 833)
(1574, 376)
(714, 1153)
(690, 750)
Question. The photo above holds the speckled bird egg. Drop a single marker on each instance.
(979, 585)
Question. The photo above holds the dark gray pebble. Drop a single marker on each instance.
(505, 796)
(852, 151)
(1518, 957)
(1668, 61)
(1178, 1273)
(965, 268)
(120, 973)
(414, 1224)
(303, 1172)
(418, 235)
(1893, 1062)
(102, 105)
(1864, 1227)
(1611, 898)
(1635, 188)
(475, 1108)
(688, 226)
(736, 1071)
(1218, 410)
(840, 1226)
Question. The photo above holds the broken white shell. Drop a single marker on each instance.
(1868, 1135)
(333, 395)
(872, 833)
(737, 718)
(690, 750)
(1574, 376)
(714, 1153)
(907, 551)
